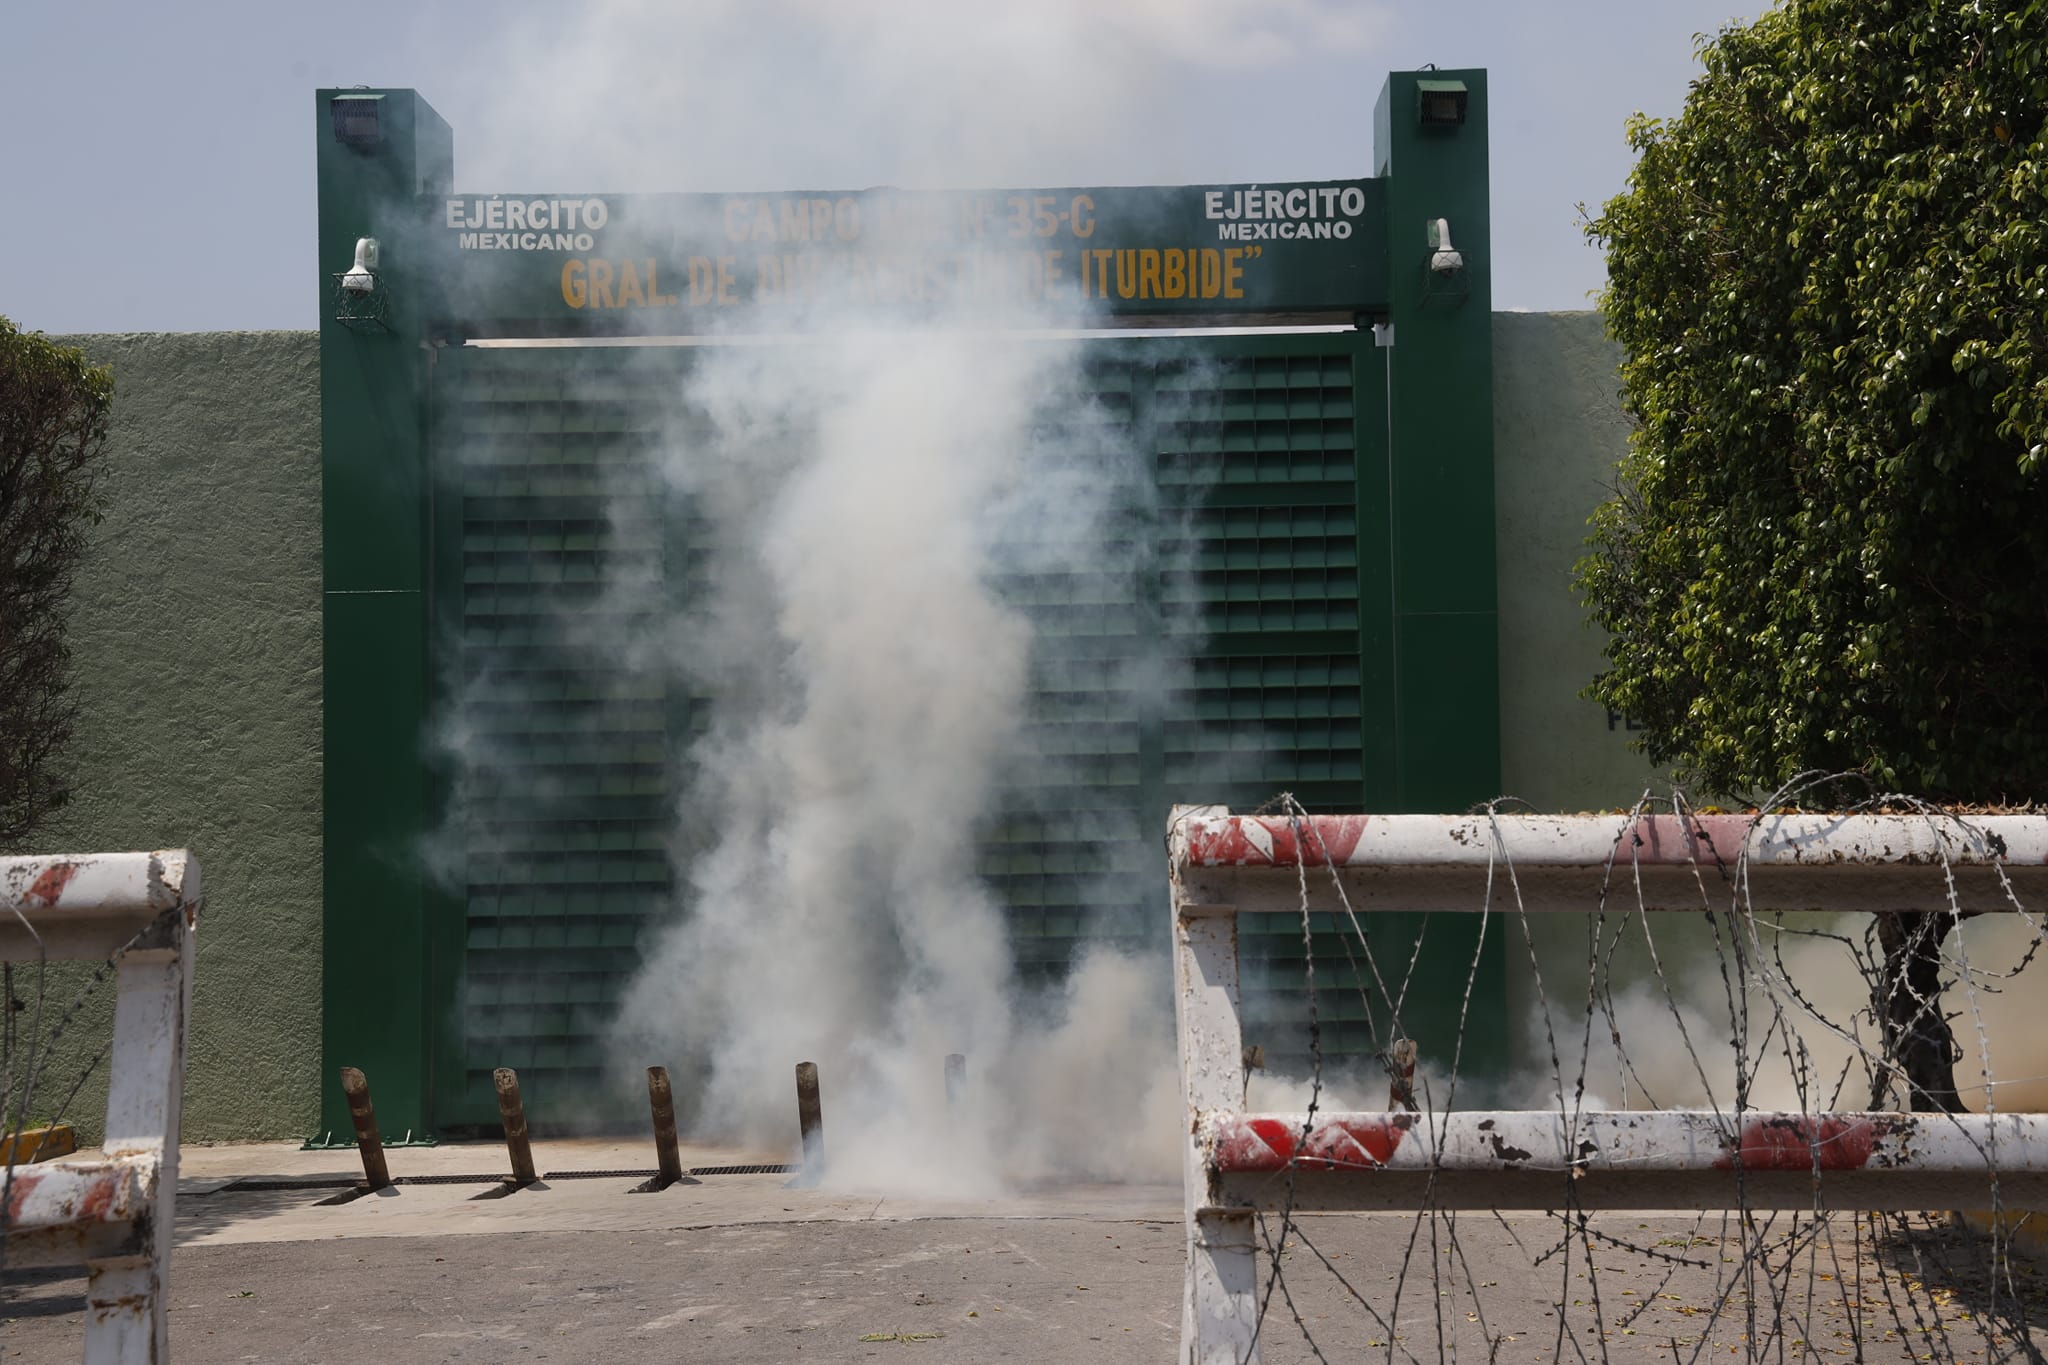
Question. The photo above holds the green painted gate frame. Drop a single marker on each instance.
(1428, 628)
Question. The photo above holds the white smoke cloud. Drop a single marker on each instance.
(635, 95)
(1664, 1035)
(861, 488)
(836, 914)
(868, 687)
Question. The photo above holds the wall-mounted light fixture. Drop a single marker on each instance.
(360, 301)
(361, 278)
(1444, 277)
(1444, 258)
(1440, 104)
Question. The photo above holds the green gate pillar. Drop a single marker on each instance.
(1430, 143)
(379, 151)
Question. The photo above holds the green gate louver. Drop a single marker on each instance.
(554, 544)
(1214, 655)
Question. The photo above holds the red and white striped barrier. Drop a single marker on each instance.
(1560, 862)
(1237, 1164)
(112, 1209)
(1625, 1160)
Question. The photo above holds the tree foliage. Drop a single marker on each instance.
(53, 427)
(1829, 277)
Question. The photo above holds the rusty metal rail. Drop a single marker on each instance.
(112, 1209)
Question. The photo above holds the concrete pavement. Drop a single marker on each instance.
(742, 1268)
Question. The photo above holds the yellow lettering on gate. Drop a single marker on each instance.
(655, 297)
(1233, 273)
(1126, 273)
(601, 284)
(1033, 270)
(703, 281)
(1173, 274)
(1081, 215)
(726, 295)
(572, 283)
(796, 223)
(629, 287)
(1148, 273)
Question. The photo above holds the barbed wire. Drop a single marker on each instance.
(1727, 1011)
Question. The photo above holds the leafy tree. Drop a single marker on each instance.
(1829, 277)
(53, 428)
(1828, 548)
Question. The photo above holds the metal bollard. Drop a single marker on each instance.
(376, 1175)
(513, 1113)
(810, 1121)
(661, 1100)
(1400, 1060)
(956, 1077)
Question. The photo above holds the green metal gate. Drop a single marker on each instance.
(1312, 565)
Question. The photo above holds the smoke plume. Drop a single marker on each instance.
(859, 492)
(868, 685)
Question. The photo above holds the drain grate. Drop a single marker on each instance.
(350, 1188)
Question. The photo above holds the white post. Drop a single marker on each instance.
(125, 1322)
(1219, 1300)
(124, 1313)
(113, 1209)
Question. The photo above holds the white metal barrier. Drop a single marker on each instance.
(1239, 1164)
(112, 1209)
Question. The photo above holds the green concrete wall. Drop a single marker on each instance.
(196, 637)
(1558, 430)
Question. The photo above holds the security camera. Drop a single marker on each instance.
(1445, 258)
(362, 276)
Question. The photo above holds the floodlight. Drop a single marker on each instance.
(1444, 258)
(362, 276)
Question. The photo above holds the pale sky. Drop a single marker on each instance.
(157, 171)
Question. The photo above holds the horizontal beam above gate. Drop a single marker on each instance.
(692, 264)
